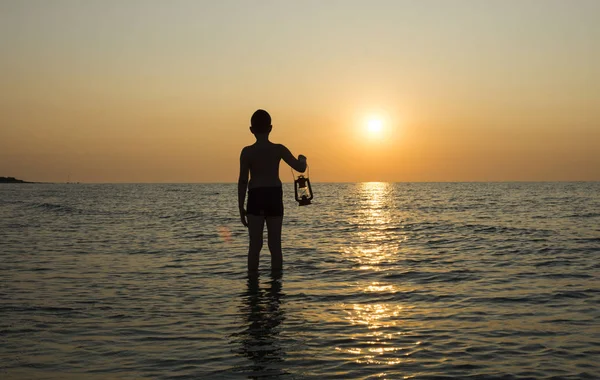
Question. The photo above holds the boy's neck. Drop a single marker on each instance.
(262, 137)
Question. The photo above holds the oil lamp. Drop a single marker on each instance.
(302, 190)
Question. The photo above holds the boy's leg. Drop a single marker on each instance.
(274, 231)
(255, 229)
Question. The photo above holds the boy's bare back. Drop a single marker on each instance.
(262, 159)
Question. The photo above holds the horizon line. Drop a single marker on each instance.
(289, 182)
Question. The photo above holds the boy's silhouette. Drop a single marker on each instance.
(265, 202)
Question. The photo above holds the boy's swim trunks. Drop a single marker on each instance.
(265, 201)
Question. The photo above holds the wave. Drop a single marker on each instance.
(53, 207)
(431, 277)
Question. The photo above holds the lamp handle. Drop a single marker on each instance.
(307, 172)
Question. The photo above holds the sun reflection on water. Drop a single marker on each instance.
(369, 258)
(381, 342)
(379, 287)
(376, 201)
(374, 316)
(378, 236)
(379, 334)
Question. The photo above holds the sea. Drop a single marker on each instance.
(380, 281)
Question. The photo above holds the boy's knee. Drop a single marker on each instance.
(256, 244)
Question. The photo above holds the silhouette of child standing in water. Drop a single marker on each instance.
(265, 195)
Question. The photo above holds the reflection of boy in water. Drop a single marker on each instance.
(265, 202)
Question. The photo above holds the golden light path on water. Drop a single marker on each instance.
(373, 220)
(378, 343)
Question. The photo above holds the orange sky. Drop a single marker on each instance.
(153, 91)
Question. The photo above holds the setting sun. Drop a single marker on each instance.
(374, 126)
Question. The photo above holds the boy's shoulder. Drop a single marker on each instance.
(262, 146)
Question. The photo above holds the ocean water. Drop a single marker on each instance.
(380, 281)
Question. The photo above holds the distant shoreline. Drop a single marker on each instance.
(12, 180)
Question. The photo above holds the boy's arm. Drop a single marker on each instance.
(298, 165)
(243, 184)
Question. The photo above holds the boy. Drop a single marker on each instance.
(265, 196)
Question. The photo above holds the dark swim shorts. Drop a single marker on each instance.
(265, 201)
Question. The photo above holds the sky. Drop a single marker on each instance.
(162, 91)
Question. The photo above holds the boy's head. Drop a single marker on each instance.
(260, 122)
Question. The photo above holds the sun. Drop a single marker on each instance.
(374, 126)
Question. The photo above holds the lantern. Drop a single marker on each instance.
(302, 190)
